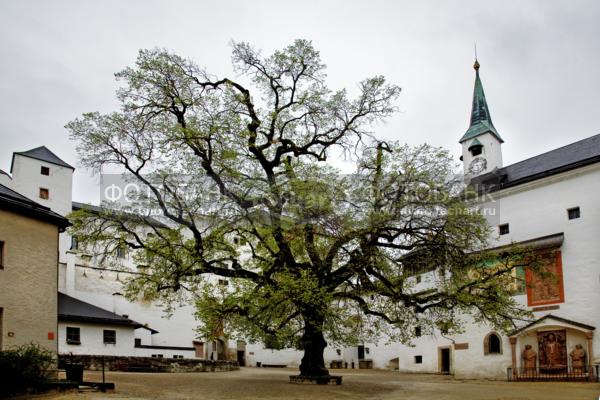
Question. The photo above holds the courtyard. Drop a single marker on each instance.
(264, 383)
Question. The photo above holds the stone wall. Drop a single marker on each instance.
(147, 364)
(28, 281)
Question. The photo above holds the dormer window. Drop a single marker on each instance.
(475, 148)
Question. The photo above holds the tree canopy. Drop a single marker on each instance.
(239, 172)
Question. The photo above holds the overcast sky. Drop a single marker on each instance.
(540, 62)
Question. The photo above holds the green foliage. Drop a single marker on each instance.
(322, 251)
(24, 368)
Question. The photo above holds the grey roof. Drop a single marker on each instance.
(5, 173)
(43, 154)
(574, 155)
(72, 309)
(11, 200)
(98, 209)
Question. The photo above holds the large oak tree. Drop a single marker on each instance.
(239, 171)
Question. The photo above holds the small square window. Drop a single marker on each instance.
(44, 193)
(121, 252)
(418, 331)
(503, 229)
(110, 336)
(73, 336)
(45, 171)
(418, 359)
(574, 213)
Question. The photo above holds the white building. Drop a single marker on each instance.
(87, 286)
(550, 202)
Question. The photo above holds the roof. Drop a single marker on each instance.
(97, 209)
(539, 243)
(481, 120)
(13, 201)
(571, 156)
(72, 309)
(43, 154)
(554, 317)
(4, 173)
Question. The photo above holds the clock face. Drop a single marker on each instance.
(478, 165)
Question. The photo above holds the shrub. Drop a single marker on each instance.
(24, 368)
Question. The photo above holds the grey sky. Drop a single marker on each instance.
(540, 62)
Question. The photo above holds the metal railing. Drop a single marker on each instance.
(586, 373)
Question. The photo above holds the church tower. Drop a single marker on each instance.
(481, 144)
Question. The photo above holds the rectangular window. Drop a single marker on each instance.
(1, 254)
(74, 243)
(418, 359)
(73, 336)
(45, 171)
(44, 193)
(110, 336)
(121, 252)
(417, 331)
(503, 229)
(520, 282)
(157, 356)
(574, 213)
(223, 282)
(137, 342)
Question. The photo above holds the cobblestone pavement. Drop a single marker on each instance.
(265, 383)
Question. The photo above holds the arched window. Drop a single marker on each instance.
(492, 344)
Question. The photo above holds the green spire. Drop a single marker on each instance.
(481, 121)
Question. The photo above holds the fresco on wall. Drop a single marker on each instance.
(546, 288)
(552, 351)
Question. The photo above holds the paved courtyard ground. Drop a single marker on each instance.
(264, 383)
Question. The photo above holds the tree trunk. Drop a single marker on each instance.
(314, 345)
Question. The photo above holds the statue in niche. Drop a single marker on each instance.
(529, 358)
(578, 359)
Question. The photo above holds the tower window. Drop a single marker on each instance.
(574, 213)
(503, 229)
(44, 193)
(418, 359)
(45, 171)
(475, 151)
